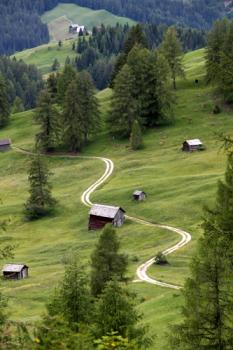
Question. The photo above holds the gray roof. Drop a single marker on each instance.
(5, 142)
(194, 142)
(138, 193)
(106, 211)
(13, 267)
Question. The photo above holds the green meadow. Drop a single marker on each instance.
(178, 185)
(62, 15)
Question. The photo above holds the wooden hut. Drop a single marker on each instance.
(139, 195)
(5, 144)
(15, 271)
(192, 145)
(100, 215)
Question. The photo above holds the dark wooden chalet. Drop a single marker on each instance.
(5, 144)
(100, 215)
(15, 271)
(192, 145)
(139, 195)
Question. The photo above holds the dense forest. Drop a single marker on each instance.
(23, 82)
(98, 54)
(21, 27)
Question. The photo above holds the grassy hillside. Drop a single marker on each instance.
(43, 56)
(178, 185)
(61, 16)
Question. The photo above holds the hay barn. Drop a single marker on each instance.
(100, 215)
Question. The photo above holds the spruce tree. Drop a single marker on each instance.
(172, 51)
(47, 116)
(124, 107)
(4, 104)
(40, 202)
(106, 261)
(136, 136)
(208, 310)
(18, 105)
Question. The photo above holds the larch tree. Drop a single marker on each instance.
(64, 79)
(4, 104)
(48, 118)
(106, 261)
(124, 106)
(172, 50)
(40, 202)
(208, 310)
(116, 312)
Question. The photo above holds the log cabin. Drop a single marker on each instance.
(15, 271)
(5, 144)
(139, 195)
(192, 145)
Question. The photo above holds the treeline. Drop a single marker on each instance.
(219, 59)
(98, 54)
(196, 14)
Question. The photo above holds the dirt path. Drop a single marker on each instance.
(85, 198)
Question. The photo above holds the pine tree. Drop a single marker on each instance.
(116, 312)
(172, 51)
(4, 104)
(136, 136)
(40, 202)
(47, 116)
(106, 261)
(208, 310)
(124, 108)
(72, 299)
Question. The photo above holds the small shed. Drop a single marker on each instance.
(192, 145)
(5, 144)
(15, 271)
(139, 195)
(100, 215)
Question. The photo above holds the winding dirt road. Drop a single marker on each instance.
(85, 198)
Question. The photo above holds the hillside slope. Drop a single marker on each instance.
(178, 185)
(60, 17)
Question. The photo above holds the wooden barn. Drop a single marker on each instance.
(15, 271)
(5, 144)
(192, 145)
(100, 215)
(139, 195)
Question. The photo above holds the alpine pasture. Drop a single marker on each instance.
(178, 185)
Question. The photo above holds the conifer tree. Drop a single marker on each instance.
(136, 36)
(116, 312)
(172, 51)
(124, 108)
(64, 79)
(81, 112)
(106, 261)
(226, 67)
(55, 65)
(47, 116)
(208, 316)
(214, 50)
(18, 105)
(136, 136)
(4, 104)
(72, 298)
(40, 202)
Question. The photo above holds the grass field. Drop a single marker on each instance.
(61, 16)
(178, 185)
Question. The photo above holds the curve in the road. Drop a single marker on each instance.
(85, 198)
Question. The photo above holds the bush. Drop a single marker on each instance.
(161, 259)
(217, 109)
